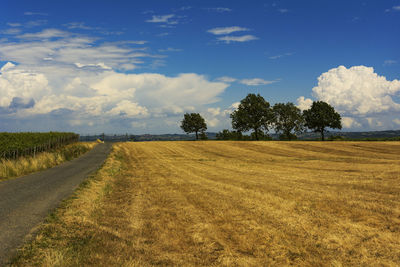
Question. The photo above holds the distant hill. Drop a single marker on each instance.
(353, 135)
(186, 137)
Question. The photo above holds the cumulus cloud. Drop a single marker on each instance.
(61, 79)
(349, 122)
(226, 30)
(255, 82)
(363, 98)
(21, 84)
(111, 96)
(304, 103)
(241, 39)
(357, 90)
(127, 108)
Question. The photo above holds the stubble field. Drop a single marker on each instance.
(231, 204)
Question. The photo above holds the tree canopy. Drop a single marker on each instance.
(288, 119)
(193, 123)
(254, 113)
(320, 116)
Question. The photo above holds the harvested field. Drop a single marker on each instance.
(231, 204)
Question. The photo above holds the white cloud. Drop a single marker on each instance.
(14, 24)
(235, 105)
(45, 34)
(397, 121)
(98, 65)
(283, 10)
(17, 83)
(397, 8)
(255, 82)
(78, 25)
(357, 91)
(226, 30)
(349, 122)
(11, 31)
(66, 48)
(389, 62)
(169, 49)
(219, 9)
(35, 23)
(226, 79)
(35, 14)
(162, 19)
(214, 111)
(304, 103)
(128, 109)
(183, 8)
(102, 96)
(244, 38)
(61, 79)
(280, 56)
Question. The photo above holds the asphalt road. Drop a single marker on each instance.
(26, 201)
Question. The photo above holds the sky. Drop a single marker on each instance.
(136, 67)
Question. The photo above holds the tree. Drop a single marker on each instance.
(193, 123)
(225, 134)
(321, 115)
(288, 119)
(253, 113)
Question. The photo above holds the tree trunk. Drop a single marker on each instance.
(256, 133)
(322, 134)
(289, 137)
(197, 136)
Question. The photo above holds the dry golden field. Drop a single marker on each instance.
(231, 204)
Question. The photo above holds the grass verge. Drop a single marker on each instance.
(44, 160)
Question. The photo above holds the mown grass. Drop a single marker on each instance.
(231, 204)
(44, 160)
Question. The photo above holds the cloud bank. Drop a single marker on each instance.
(363, 97)
(60, 80)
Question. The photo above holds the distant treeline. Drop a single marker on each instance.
(334, 135)
(14, 145)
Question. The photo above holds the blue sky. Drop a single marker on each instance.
(138, 66)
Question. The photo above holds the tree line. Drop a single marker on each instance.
(255, 114)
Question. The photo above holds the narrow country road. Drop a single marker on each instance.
(26, 201)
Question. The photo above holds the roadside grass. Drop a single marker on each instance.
(230, 204)
(44, 160)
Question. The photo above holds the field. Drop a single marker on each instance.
(231, 204)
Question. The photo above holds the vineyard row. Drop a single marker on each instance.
(15, 145)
